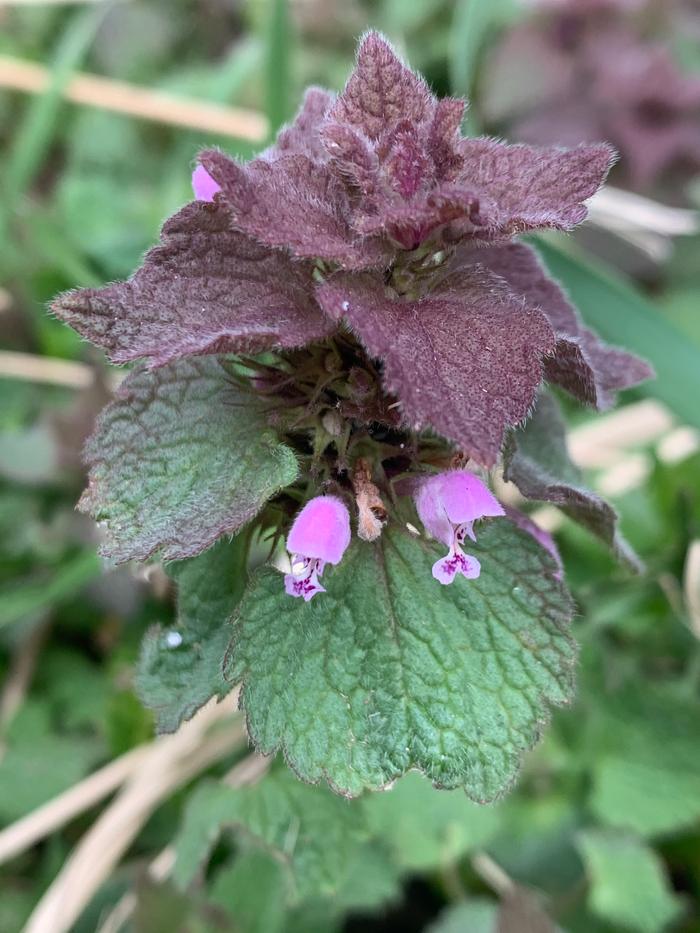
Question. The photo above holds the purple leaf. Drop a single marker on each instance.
(302, 136)
(523, 188)
(205, 289)
(537, 461)
(581, 363)
(466, 360)
(381, 92)
(444, 137)
(401, 149)
(295, 204)
(389, 137)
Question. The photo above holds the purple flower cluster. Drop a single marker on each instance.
(448, 505)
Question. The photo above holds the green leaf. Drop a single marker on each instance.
(680, 306)
(370, 879)
(253, 891)
(402, 18)
(181, 458)
(624, 317)
(476, 916)
(39, 762)
(29, 455)
(426, 828)
(389, 671)
(316, 835)
(648, 799)
(181, 668)
(645, 758)
(629, 887)
(160, 907)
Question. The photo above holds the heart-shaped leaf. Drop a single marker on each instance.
(389, 671)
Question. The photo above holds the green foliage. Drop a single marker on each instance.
(628, 884)
(32, 142)
(279, 46)
(473, 23)
(477, 916)
(648, 799)
(425, 829)
(159, 907)
(39, 763)
(457, 687)
(321, 840)
(181, 456)
(253, 891)
(645, 771)
(180, 668)
(26, 597)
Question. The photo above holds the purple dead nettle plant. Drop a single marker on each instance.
(362, 284)
(337, 345)
(594, 73)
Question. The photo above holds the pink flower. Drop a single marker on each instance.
(448, 505)
(320, 535)
(203, 184)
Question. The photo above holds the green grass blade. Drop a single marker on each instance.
(36, 132)
(473, 21)
(623, 316)
(26, 597)
(279, 43)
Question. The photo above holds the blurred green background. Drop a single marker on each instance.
(603, 832)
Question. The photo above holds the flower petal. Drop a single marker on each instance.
(465, 498)
(431, 511)
(321, 530)
(203, 184)
(446, 569)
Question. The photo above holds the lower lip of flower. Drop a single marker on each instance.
(303, 580)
